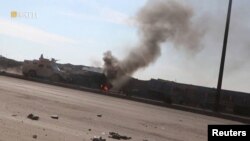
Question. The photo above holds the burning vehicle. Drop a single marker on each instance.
(85, 76)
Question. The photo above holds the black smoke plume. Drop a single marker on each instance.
(158, 21)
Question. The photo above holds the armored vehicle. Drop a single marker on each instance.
(43, 68)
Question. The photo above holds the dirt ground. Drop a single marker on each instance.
(78, 120)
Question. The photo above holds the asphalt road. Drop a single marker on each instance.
(78, 120)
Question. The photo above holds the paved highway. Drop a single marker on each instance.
(78, 120)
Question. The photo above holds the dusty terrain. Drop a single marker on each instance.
(78, 120)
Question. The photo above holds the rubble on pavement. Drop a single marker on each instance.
(118, 136)
(33, 117)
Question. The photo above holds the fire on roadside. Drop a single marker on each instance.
(105, 87)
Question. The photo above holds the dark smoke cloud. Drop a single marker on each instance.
(158, 21)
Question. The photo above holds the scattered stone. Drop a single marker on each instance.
(33, 117)
(14, 115)
(118, 137)
(145, 140)
(99, 115)
(89, 129)
(34, 136)
(98, 139)
(54, 116)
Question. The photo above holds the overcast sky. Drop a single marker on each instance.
(80, 31)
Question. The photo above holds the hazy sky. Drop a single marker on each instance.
(80, 31)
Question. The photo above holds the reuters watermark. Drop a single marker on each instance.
(228, 132)
(23, 14)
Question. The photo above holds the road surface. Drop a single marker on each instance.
(78, 120)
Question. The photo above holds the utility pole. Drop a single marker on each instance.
(218, 94)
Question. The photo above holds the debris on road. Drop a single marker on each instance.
(33, 117)
(99, 115)
(98, 139)
(118, 137)
(89, 129)
(54, 116)
(14, 115)
(34, 136)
